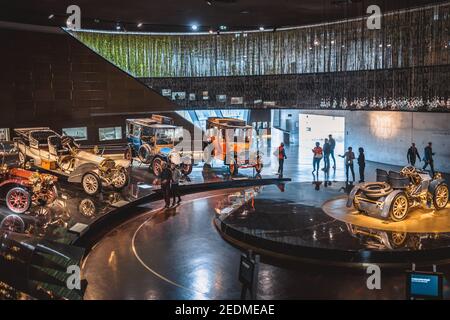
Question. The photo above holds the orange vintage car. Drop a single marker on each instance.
(231, 140)
(21, 188)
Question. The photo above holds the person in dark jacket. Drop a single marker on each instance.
(413, 154)
(166, 178)
(428, 157)
(361, 164)
(349, 156)
(332, 147)
(326, 155)
(281, 158)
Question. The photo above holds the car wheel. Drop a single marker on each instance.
(399, 207)
(121, 180)
(186, 168)
(18, 200)
(397, 239)
(22, 159)
(87, 208)
(157, 166)
(91, 183)
(440, 197)
(13, 223)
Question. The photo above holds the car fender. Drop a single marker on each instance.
(388, 201)
(77, 175)
(352, 195)
(434, 184)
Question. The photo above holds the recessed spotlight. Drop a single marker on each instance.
(209, 2)
(50, 17)
(316, 43)
(223, 28)
(140, 24)
(211, 31)
(381, 46)
(261, 28)
(332, 41)
(118, 26)
(194, 27)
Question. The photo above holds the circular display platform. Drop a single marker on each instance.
(419, 220)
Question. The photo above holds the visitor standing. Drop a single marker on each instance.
(413, 154)
(361, 164)
(428, 157)
(165, 178)
(349, 156)
(318, 155)
(176, 176)
(332, 147)
(326, 155)
(281, 158)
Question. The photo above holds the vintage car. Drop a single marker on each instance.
(153, 141)
(22, 188)
(230, 140)
(62, 155)
(396, 193)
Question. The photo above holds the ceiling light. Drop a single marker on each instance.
(223, 28)
(211, 31)
(381, 46)
(51, 16)
(316, 43)
(194, 27)
(208, 2)
(261, 28)
(96, 20)
(332, 41)
(140, 24)
(118, 26)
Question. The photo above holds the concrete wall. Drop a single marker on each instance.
(386, 136)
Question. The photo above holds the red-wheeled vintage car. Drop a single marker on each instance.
(21, 188)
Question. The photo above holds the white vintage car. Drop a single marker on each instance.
(62, 155)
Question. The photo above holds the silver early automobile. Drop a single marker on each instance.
(396, 193)
(62, 155)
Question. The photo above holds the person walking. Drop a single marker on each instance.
(326, 155)
(165, 178)
(332, 147)
(349, 156)
(176, 176)
(318, 155)
(413, 154)
(428, 157)
(281, 158)
(361, 164)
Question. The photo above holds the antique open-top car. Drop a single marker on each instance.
(231, 142)
(62, 155)
(153, 140)
(21, 188)
(396, 193)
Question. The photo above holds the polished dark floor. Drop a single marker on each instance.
(179, 254)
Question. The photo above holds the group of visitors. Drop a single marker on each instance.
(413, 154)
(170, 182)
(328, 151)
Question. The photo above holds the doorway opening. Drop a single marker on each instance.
(315, 128)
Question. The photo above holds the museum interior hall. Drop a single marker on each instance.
(225, 150)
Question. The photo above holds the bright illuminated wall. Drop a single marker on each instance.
(407, 39)
(386, 136)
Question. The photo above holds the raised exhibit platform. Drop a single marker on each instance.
(294, 225)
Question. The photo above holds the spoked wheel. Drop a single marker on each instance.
(87, 208)
(49, 197)
(91, 184)
(43, 217)
(399, 207)
(22, 159)
(157, 166)
(121, 180)
(18, 200)
(440, 197)
(186, 168)
(398, 239)
(13, 223)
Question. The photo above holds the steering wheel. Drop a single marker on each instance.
(408, 171)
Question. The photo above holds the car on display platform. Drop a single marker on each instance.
(236, 152)
(21, 188)
(152, 141)
(396, 193)
(62, 155)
